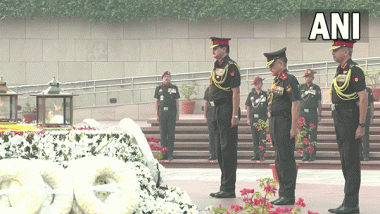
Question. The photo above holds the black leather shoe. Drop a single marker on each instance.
(274, 201)
(333, 210)
(214, 193)
(345, 210)
(255, 158)
(224, 194)
(211, 159)
(285, 201)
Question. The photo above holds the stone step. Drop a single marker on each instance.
(247, 164)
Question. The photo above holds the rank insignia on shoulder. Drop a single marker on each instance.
(356, 78)
(232, 73)
(288, 89)
(284, 76)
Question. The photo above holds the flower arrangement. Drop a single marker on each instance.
(256, 203)
(304, 146)
(66, 146)
(157, 150)
(262, 126)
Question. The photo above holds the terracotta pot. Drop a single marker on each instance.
(274, 172)
(188, 107)
(376, 93)
(28, 118)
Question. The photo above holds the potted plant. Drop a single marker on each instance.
(29, 113)
(187, 91)
(373, 79)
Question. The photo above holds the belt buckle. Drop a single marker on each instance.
(212, 103)
(255, 115)
(306, 110)
(333, 107)
(166, 108)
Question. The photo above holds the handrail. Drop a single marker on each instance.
(141, 88)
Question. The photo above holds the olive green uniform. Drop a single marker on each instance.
(310, 97)
(167, 113)
(258, 110)
(283, 92)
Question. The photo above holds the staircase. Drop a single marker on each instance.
(191, 144)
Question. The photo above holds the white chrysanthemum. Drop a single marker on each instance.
(58, 188)
(24, 182)
(88, 171)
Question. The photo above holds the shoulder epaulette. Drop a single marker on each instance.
(283, 76)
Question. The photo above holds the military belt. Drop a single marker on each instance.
(337, 107)
(220, 102)
(280, 113)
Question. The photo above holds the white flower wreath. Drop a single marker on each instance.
(22, 184)
(58, 188)
(121, 183)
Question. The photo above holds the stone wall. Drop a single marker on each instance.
(33, 51)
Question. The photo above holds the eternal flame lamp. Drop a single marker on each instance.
(54, 107)
(8, 104)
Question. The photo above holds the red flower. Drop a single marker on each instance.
(258, 128)
(310, 149)
(306, 140)
(299, 128)
(266, 128)
(300, 202)
(265, 154)
(299, 152)
(312, 126)
(310, 212)
(236, 207)
(261, 147)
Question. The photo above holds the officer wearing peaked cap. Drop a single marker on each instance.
(257, 109)
(310, 109)
(349, 109)
(166, 109)
(284, 111)
(224, 100)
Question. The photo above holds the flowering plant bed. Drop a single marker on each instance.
(65, 148)
(304, 146)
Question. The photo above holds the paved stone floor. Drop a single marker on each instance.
(321, 189)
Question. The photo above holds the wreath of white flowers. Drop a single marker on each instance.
(122, 186)
(58, 188)
(22, 185)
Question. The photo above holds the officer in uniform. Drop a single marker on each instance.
(364, 149)
(283, 102)
(166, 109)
(224, 100)
(257, 109)
(310, 109)
(349, 109)
(208, 120)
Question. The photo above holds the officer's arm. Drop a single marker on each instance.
(156, 107)
(177, 106)
(205, 109)
(319, 108)
(372, 110)
(363, 105)
(295, 115)
(235, 101)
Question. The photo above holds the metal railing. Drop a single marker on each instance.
(140, 89)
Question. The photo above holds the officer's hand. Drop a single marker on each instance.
(293, 133)
(248, 122)
(157, 117)
(319, 119)
(205, 119)
(359, 132)
(234, 122)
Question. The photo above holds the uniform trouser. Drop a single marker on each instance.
(279, 129)
(226, 145)
(257, 136)
(311, 117)
(167, 120)
(211, 138)
(364, 149)
(346, 122)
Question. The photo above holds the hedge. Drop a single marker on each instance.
(123, 10)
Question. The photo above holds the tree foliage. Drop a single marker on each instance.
(123, 10)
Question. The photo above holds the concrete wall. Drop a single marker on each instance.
(33, 51)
